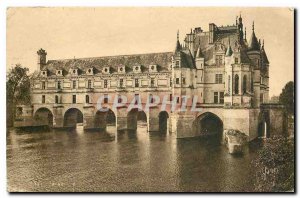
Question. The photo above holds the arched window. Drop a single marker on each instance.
(236, 84)
(87, 99)
(244, 84)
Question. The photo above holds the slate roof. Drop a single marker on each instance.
(163, 60)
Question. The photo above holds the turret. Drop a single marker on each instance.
(41, 58)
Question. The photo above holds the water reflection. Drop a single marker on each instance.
(75, 160)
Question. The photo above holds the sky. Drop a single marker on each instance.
(93, 32)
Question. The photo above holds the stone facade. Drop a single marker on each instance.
(229, 76)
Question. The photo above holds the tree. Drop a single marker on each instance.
(287, 97)
(17, 90)
(274, 165)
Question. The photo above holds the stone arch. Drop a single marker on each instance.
(104, 117)
(72, 116)
(133, 116)
(263, 127)
(163, 120)
(43, 117)
(208, 124)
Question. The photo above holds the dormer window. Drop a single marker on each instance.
(152, 68)
(137, 69)
(44, 73)
(59, 72)
(121, 69)
(90, 71)
(74, 71)
(106, 70)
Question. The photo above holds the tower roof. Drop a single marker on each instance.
(229, 50)
(254, 45)
(263, 54)
(199, 53)
(178, 46)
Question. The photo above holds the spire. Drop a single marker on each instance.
(229, 50)
(254, 44)
(178, 46)
(245, 34)
(199, 53)
(263, 53)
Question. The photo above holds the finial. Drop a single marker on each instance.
(177, 35)
(253, 26)
(263, 42)
(245, 33)
(236, 19)
(191, 30)
(240, 14)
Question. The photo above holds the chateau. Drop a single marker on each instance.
(228, 74)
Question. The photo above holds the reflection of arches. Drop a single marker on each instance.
(72, 117)
(133, 116)
(163, 121)
(208, 124)
(43, 116)
(236, 84)
(104, 118)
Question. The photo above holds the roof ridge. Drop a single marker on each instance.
(84, 58)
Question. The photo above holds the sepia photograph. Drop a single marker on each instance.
(150, 99)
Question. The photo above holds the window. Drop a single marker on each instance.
(119, 99)
(177, 64)
(136, 84)
(177, 81)
(74, 99)
(56, 100)
(236, 60)
(170, 82)
(236, 84)
(151, 98)
(105, 98)
(183, 80)
(219, 78)
(87, 99)
(43, 99)
(137, 98)
(74, 84)
(152, 82)
(171, 97)
(121, 82)
(58, 84)
(261, 98)
(216, 97)
(222, 97)
(89, 84)
(178, 100)
(105, 83)
(43, 85)
(244, 84)
(219, 60)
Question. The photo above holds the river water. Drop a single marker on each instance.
(122, 161)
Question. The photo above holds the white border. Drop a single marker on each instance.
(89, 3)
